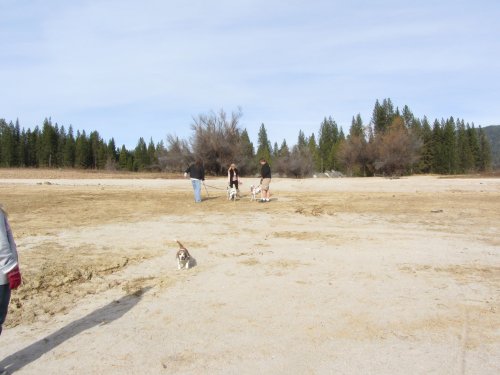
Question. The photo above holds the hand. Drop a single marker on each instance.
(185, 174)
(14, 277)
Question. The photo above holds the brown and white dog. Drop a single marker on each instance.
(184, 259)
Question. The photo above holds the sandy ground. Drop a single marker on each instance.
(333, 276)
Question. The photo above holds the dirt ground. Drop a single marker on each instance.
(333, 276)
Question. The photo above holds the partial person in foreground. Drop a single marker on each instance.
(196, 172)
(265, 180)
(10, 276)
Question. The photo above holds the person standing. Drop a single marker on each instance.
(233, 176)
(265, 180)
(10, 276)
(196, 172)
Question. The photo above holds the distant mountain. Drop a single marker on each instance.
(493, 134)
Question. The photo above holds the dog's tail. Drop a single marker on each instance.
(180, 245)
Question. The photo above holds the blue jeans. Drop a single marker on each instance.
(4, 303)
(197, 190)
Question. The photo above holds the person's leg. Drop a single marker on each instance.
(265, 189)
(237, 189)
(4, 303)
(197, 191)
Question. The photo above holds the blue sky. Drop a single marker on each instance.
(131, 69)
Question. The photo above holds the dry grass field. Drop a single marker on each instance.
(341, 276)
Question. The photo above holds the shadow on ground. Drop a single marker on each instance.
(104, 315)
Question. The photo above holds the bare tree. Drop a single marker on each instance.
(177, 155)
(350, 153)
(300, 163)
(397, 149)
(217, 140)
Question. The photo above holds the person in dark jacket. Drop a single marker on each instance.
(233, 176)
(196, 172)
(265, 174)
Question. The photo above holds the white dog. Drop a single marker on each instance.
(231, 193)
(184, 259)
(254, 190)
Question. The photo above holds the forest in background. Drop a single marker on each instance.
(393, 142)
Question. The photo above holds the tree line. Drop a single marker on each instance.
(393, 142)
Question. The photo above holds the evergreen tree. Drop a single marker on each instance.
(314, 151)
(6, 144)
(357, 129)
(448, 147)
(152, 158)
(275, 151)
(17, 141)
(111, 151)
(383, 115)
(123, 159)
(247, 164)
(284, 150)
(69, 149)
(409, 119)
(484, 151)
(22, 150)
(328, 139)
(301, 140)
(264, 146)
(33, 146)
(465, 161)
(438, 158)
(83, 151)
(61, 142)
(474, 145)
(427, 152)
(141, 158)
(48, 146)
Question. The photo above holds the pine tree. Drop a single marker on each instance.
(83, 151)
(314, 151)
(284, 150)
(141, 158)
(48, 145)
(449, 147)
(17, 140)
(465, 161)
(246, 163)
(438, 159)
(357, 128)
(484, 151)
(301, 140)
(6, 144)
(152, 158)
(69, 149)
(382, 115)
(123, 158)
(426, 159)
(328, 137)
(474, 145)
(111, 151)
(264, 146)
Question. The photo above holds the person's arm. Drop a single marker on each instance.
(9, 265)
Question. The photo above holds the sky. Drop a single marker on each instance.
(131, 69)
